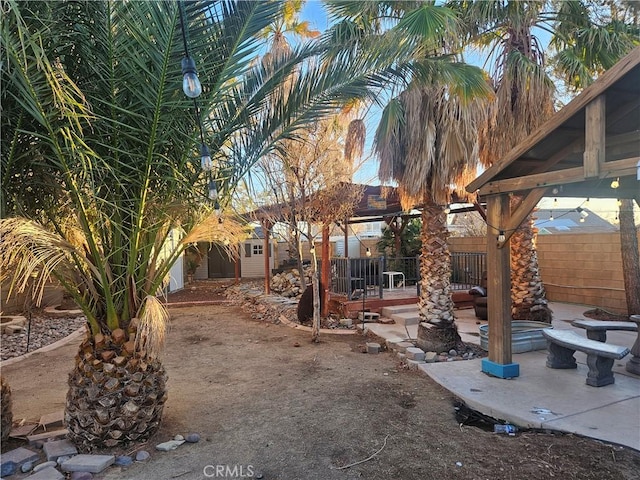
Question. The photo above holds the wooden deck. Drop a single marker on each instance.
(372, 302)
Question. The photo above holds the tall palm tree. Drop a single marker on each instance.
(525, 95)
(100, 187)
(427, 143)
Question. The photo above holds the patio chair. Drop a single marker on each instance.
(479, 294)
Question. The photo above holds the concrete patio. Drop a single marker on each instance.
(542, 397)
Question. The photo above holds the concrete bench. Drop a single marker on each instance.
(600, 356)
(597, 330)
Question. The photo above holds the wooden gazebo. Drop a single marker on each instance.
(590, 148)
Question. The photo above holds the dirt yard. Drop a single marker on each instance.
(270, 404)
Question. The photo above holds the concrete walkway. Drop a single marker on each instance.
(542, 397)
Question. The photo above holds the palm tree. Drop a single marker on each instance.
(427, 143)
(426, 140)
(525, 96)
(100, 188)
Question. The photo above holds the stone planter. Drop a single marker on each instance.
(526, 336)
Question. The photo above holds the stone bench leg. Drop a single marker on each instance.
(597, 335)
(600, 373)
(560, 357)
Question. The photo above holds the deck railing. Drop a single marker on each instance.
(356, 276)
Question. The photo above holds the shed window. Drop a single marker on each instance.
(257, 249)
(247, 249)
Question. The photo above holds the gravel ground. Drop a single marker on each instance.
(43, 331)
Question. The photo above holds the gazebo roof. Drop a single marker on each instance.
(584, 147)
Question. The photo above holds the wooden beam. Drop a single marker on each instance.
(560, 155)
(325, 272)
(617, 168)
(525, 207)
(594, 132)
(599, 87)
(498, 283)
(266, 227)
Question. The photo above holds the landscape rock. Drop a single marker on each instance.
(81, 476)
(19, 456)
(26, 467)
(192, 438)
(178, 437)
(44, 465)
(123, 461)
(8, 468)
(43, 331)
(142, 456)
(88, 463)
(59, 448)
(170, 445)
(49, 473)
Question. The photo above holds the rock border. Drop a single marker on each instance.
(52, 346)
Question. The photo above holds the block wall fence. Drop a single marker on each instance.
(575, 268)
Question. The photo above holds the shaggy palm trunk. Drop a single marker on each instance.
(6, 412)
(116, 394)
(437, 331)
(528, 297)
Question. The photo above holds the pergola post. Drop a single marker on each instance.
(266, 227)
(324, 272)
(499, 363)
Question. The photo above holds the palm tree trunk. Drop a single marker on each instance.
(629, 251)
(6, 411)
(116, 395)
(437, 330)
(528, 296)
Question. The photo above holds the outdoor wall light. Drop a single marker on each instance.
(191, 85)
(205, 158)
(615, 183)
(501, 236)
(368, 253)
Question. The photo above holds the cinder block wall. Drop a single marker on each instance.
(575, 268)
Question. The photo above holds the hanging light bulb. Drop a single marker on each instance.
(615, 183)
(581, 219)
(555, 203)
(213, 192)
(447, 209)
(583, 213)
(501, 236)
(619, 202)
(368, 252)
(586, 202)
(191, 85)
(205, 158)
(312, 250)
(551, 216)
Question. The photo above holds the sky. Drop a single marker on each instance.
(313, 11)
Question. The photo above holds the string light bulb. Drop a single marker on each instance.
(555, 202)
(213, 193)
(619, 202)
(191, 85)
(501, 236)
(447, 209)
(368, 252)
(583, 213)
(312, 250)
(551, 216)
(205, 158)
(616, 183)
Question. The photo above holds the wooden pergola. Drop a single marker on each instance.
(590, 148)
